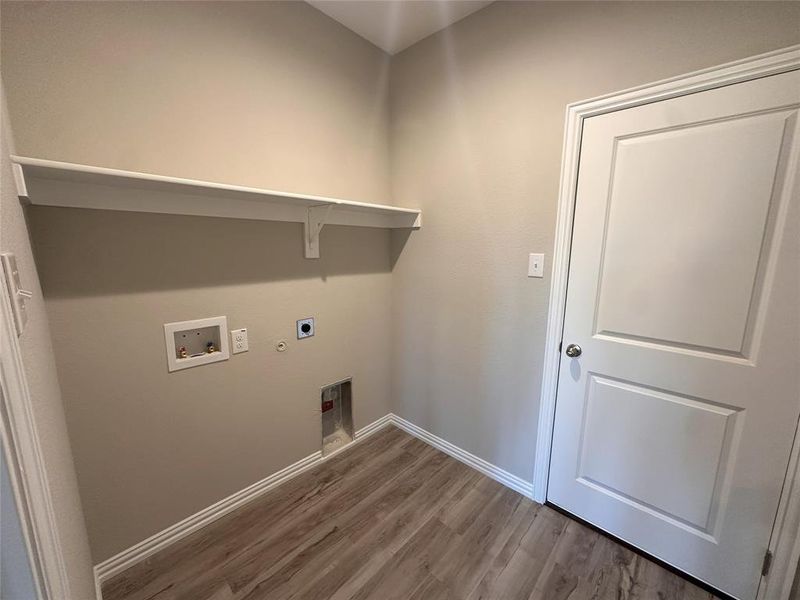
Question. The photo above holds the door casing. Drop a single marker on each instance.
(785, 538)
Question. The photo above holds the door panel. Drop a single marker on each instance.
(672, 169)
(673, 428)
(667, 457)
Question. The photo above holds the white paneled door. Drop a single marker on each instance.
(679, 383)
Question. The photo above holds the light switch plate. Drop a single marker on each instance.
(239, 339)
(18, 296)
(536, 265)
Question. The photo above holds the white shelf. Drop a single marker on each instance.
(53, 183)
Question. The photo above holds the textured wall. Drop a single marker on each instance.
(277, 95)
(266, 94)
(269, 94)
(476, 134)
(40, 371)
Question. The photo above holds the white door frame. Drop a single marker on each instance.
(785, 540)
(27, 470)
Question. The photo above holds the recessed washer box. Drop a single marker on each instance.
(197, 342)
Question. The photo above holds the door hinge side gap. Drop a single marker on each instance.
(765, 566)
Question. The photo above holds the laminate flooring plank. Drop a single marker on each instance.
(608, 572)
(657, 583)
(360, 516)
(393, 518)
(278, 544)
(371, 552)
(295, 573)
(466, 562)
(512, 571)
(363, 517)
(566, 565)
(199, 556)
(400, 577)
(432, 589)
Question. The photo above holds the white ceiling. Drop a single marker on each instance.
(394, 25)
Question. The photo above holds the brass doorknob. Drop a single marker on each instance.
(573, 351)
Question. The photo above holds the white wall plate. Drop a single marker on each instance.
(239, 341)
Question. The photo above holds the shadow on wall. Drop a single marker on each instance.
(136, 252)
(397, 241)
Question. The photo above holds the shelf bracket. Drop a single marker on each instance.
(19, 180)
(315, 221)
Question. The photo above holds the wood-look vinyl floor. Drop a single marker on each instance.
(394, 518)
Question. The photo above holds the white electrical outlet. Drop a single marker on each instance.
(239, 339)
(536, 265)
(305, 328)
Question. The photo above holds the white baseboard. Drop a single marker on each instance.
(127, 558)
(507, 479)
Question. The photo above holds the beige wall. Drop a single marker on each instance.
(278, 95)
(266, 94)
(269, 94)
(153, 447)
(477, 126)
(40, 371)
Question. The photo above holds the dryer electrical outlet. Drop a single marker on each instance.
(305, 328)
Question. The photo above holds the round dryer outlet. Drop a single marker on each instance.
(305, 328)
